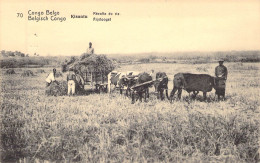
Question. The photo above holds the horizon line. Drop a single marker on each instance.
(146, 53)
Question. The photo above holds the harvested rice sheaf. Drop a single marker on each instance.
(55, 89)
(58, 74)
(10, 71)
(27, 73)
(40, 71)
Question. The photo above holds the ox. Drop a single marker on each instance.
(140, 87)
(128, 82)
(192, 83)
(161, 84)
(120, 79)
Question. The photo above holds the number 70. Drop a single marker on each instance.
(20, 15)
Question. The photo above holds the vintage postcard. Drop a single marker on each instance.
(130, 81)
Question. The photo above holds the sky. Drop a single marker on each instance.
(141, 26)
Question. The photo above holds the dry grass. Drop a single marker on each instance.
(103, 127)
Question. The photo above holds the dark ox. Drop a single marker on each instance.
(128, 82)
(161, 84)
(192, 83)
(140, 87)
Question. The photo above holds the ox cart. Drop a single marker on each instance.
(95, 81)
(93, 69)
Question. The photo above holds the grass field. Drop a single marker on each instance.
(108, 128)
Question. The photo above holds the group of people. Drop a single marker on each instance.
(220, 79)
(74, 79)
(76, 82)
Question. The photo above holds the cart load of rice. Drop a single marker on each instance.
(93, 68)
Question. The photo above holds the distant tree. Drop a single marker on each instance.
(152, 57)
(144, 60)
(164, 59)
(3, 53)
(9, 53)
(16, 53)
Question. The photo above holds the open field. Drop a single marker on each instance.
(107, 127)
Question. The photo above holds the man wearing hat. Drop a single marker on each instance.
(71, 78)
(221, 77)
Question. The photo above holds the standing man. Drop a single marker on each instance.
(79, 82)
(71, 78)
(221, 77)
(51, 78)
(90, 50)
(153, 75)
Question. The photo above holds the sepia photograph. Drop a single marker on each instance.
(129, 81)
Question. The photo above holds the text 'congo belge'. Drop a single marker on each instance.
(45, 16)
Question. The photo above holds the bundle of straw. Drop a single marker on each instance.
(27, 73)
(91, 63)
(57, 89)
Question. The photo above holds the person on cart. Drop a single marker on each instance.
(90, 49)
(89, 52)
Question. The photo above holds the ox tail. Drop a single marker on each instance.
(184, 83)
(214, 82)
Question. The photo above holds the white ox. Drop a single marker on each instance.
(114, 78)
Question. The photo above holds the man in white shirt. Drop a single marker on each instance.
(51, 78)
(90, 50)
